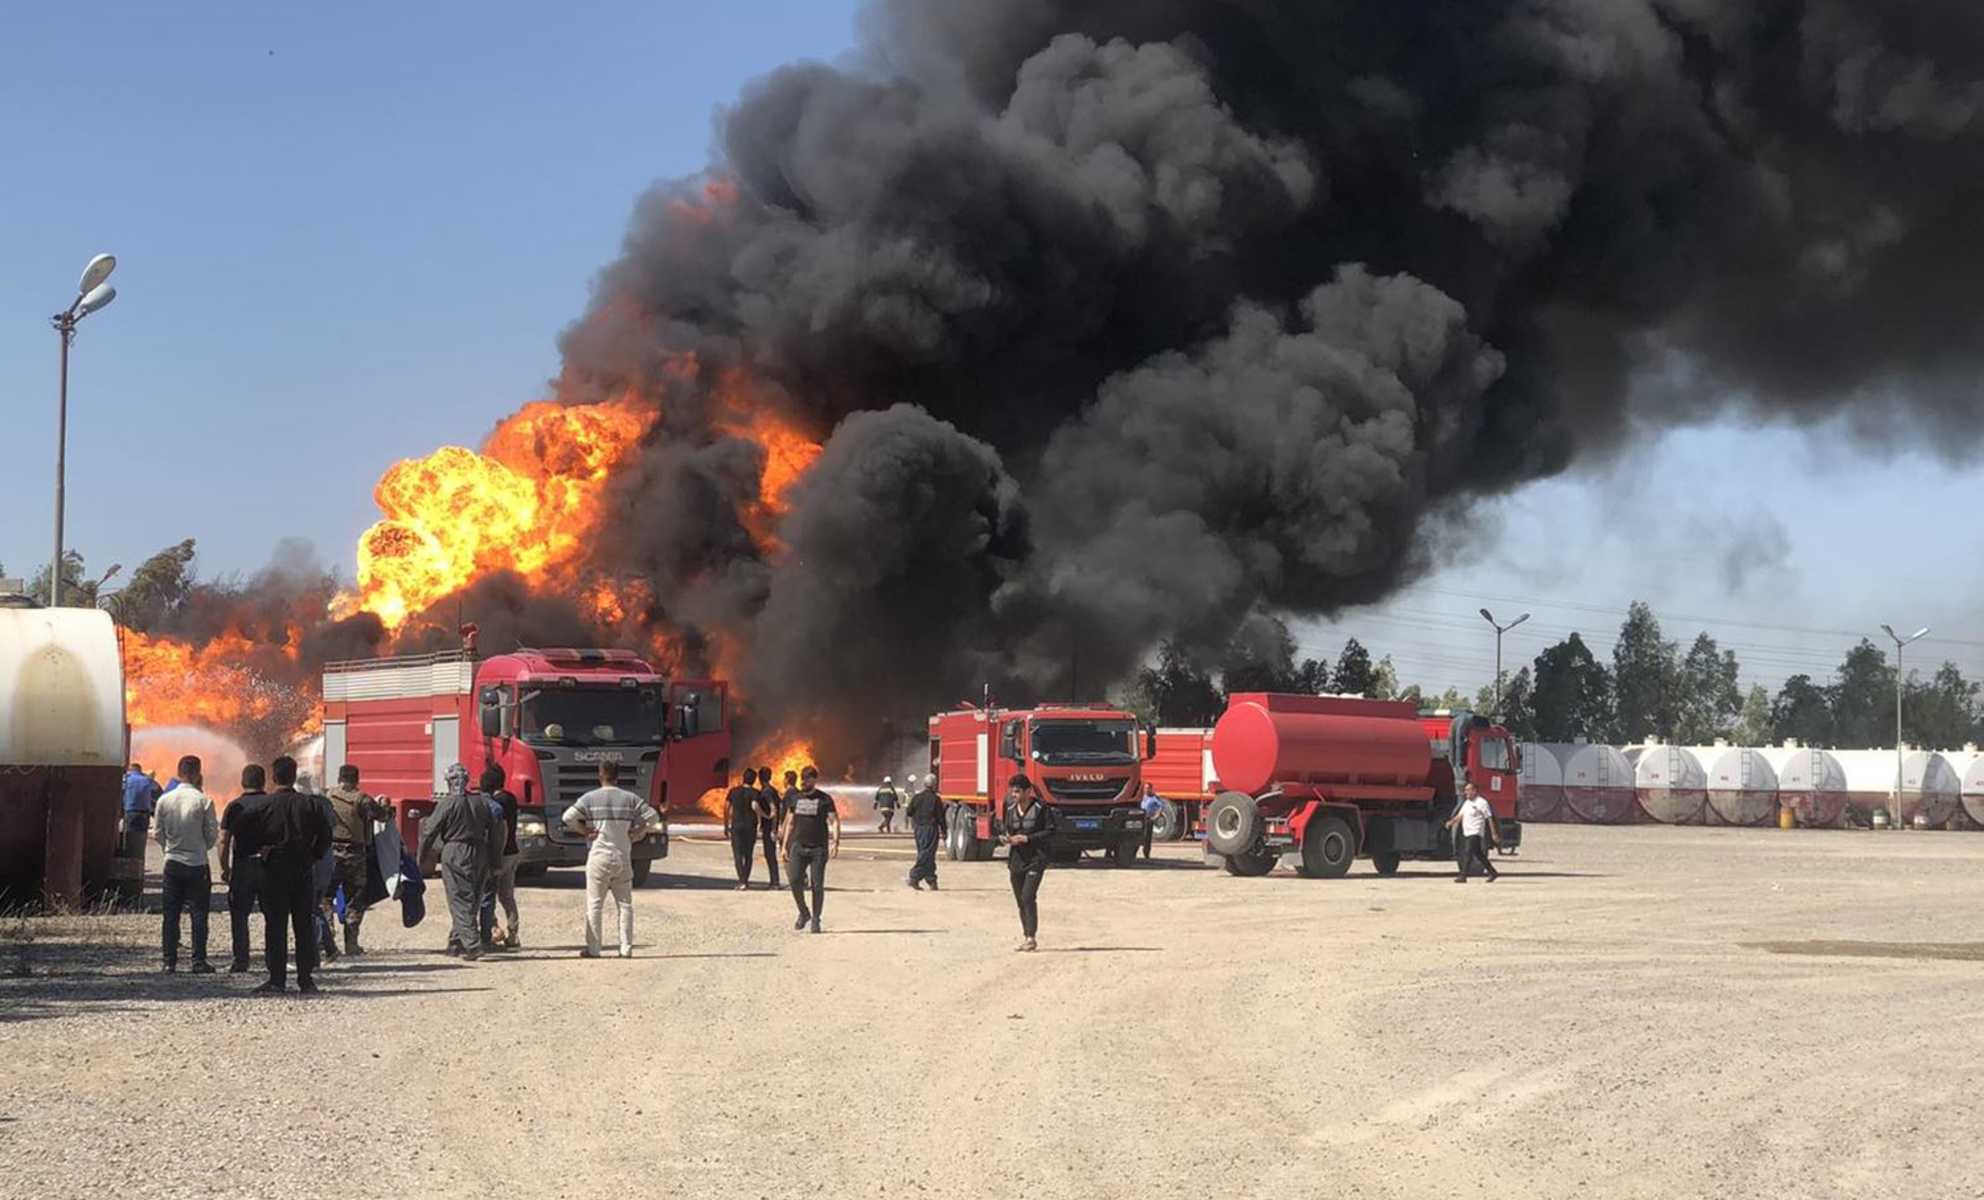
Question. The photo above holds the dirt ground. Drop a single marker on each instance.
(1644, 1012)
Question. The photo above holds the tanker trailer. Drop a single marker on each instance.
(62, 739)
(1333, 778)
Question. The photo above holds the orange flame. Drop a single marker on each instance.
(168, 682)
(527, 503)
(781, 752)
(789, 455)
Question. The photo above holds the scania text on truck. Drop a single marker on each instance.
(1085, 760)
(547, 717)
(1333, 778)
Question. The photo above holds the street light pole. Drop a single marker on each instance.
(91, 294)
(1894, 811)
(1500, 629)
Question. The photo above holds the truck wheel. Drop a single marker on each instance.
(1124, 854)
(969, 848)
(952, 850)
(1387, 862)
(642, 870)
(1168, 825)
(1328, 846)
(1256, 863)
(1233, 825)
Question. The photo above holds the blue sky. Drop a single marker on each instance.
(349, 234)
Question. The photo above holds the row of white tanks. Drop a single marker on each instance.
(1746, 785)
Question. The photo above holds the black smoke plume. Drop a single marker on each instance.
(1127, 319)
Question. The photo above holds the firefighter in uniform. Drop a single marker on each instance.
(885, 805)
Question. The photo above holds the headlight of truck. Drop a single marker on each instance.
(530, 827)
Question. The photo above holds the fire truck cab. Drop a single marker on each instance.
(1083, 759)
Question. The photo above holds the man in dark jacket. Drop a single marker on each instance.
(926, 821)
(741, 822)
(241, 859)
(293, 833)
(502, 887)
(352, 815)
(469, 840)
(1029, 827)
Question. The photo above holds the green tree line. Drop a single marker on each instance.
(1650, 688)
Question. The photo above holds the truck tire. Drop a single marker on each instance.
(642, 870)
(1124, 853)
(1386, 862)
(1252, 864)
(953, 830)
(1329, 845)
(1169, 823)
(1233, 825)
(970, 849)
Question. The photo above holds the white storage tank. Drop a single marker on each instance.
(1541, 794)
(1969, 767)
(1929, 786)
(1598, 785)
(1670, 785)
(1811, 783)
(1742, 784)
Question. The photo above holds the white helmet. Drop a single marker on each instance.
(888, 779)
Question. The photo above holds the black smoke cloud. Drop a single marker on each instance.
(1204, 308)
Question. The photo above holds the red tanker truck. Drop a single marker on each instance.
(1334, 778)
(1084, 759)
(549, 717)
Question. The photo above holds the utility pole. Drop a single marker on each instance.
(1500, 629)
(1894, 809)
(91, 294)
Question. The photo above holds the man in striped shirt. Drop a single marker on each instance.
(613, 819)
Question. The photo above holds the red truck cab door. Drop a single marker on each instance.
(1493, 768)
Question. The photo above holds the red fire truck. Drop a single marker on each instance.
(548, 717)
(1085, 759)
(1333, 778)
(1181, 771)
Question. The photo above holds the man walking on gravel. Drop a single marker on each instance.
(1030, 828)
(352, 814)
(186, 829)
(810, 838)
(501, 891)
(613, 819)
(470, 840)
(926, 821)
(771, 814)
(1477, 825)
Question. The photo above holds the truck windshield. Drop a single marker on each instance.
(594, 716)
(1085, 742)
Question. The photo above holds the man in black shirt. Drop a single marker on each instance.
(1029, 827)
(741, 822)
(294, 833)
(240, 859)
(926, 821)
(771, 813)
(502, 886)
(811, 837)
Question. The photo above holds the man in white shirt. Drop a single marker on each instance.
(613, 819)
(1477, 825)
(185, 828)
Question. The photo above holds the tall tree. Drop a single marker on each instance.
(1518, 712)
(1177, 691)
(1572, 696)
(1384, 680)
(77, 592)
(1707, 699)
(1753, 727)
(158, 587)
(1354, 675)
(1803, 711)
(1938, 712)
(1862, 699)
(1644, 677)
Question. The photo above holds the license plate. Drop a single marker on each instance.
(1088, 824)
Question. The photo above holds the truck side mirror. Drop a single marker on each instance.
(1150, 742)
(492, 712)
(1009, 742)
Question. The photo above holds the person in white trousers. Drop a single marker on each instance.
(613, 819)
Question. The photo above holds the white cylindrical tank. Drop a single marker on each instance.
(1929, 785)
(1670, 785)
(1969, 768)
(1810, 782)
(1742, 784)
(64, 697)
(1541, 794)
(1598, 785)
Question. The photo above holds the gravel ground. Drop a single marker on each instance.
(1642, 1012)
